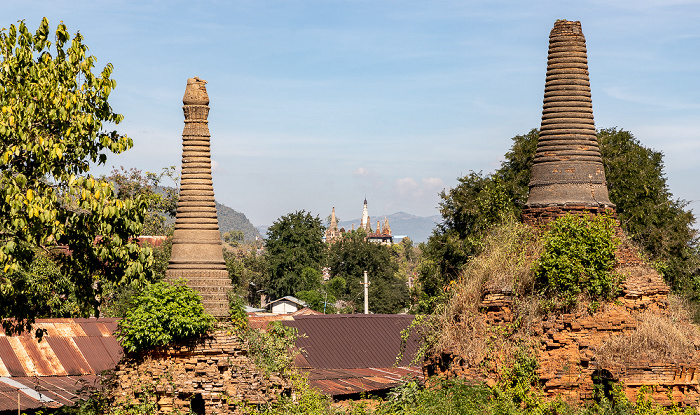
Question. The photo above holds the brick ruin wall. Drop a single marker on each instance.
(568, 344)
(213, 375)
(541, 215)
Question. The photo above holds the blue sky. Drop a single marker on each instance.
(317, 104)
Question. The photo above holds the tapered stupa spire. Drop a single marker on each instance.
(197, 251)
(567, 172)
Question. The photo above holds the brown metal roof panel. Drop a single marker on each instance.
(45, 386)
(364, 384)
(71, 358)
(95, 353)
(10, 359)
(8, 401)
(113, 348)
(90, 328)
(331, 387)
(68, 328)
(347, 341)
(45, 361)
(111, 324)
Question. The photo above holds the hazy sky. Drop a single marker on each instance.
(317, 104)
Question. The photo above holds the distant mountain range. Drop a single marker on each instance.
(418, 228)
(231, 220)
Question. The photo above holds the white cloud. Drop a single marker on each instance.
(361, 172)
(408, 187)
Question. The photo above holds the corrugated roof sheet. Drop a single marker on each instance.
(51, 372)
(347, 354)
(345, 341)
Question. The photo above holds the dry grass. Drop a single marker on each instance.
(505, 266)
(669, 337)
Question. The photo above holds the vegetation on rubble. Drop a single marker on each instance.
(455, 396)
(656, 338)
(661, 225)
(162, 314)
(578, 257)
(273, 350)
(53, 112)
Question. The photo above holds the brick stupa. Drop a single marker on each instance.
(567, 172)
(197, 250)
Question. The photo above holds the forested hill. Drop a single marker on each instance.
(230, 220)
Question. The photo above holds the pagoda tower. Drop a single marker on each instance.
(197, 250)
(567, 172)
(332, 233)
(364, 222)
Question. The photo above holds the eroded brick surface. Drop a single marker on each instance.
(216, 368)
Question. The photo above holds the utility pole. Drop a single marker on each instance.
(366, 284)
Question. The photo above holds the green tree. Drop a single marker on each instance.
(647, 210)
(319, 300)
(350, 257)
(52, 111)
(476, 204)
(161, 200)
(294, 242)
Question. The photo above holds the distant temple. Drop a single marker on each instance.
(333, 233)
(382, 234)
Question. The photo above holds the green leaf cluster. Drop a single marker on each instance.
(163, 314)
(273, 350)
(53, 110)
(578, 257)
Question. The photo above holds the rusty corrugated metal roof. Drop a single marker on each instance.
(339, 341)
(346, 354)
(354, 381)
(50, 372)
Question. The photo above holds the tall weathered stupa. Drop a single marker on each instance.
(197, 250)
(567, 172)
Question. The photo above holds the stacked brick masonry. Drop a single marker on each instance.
(216, 371)
(543, 215)
(567, 345)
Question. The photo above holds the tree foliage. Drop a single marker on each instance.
(52, 115)
(249, 272)
(161, 201)
(647, 210)
(468, 210)
(350, 257)
(294, 243)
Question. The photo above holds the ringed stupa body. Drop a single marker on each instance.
(197, 250)
(567, 173)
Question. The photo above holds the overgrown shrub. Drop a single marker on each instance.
(505, 265)
(578, 257)
(162, 314)
(236, 311)
(273, 350)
